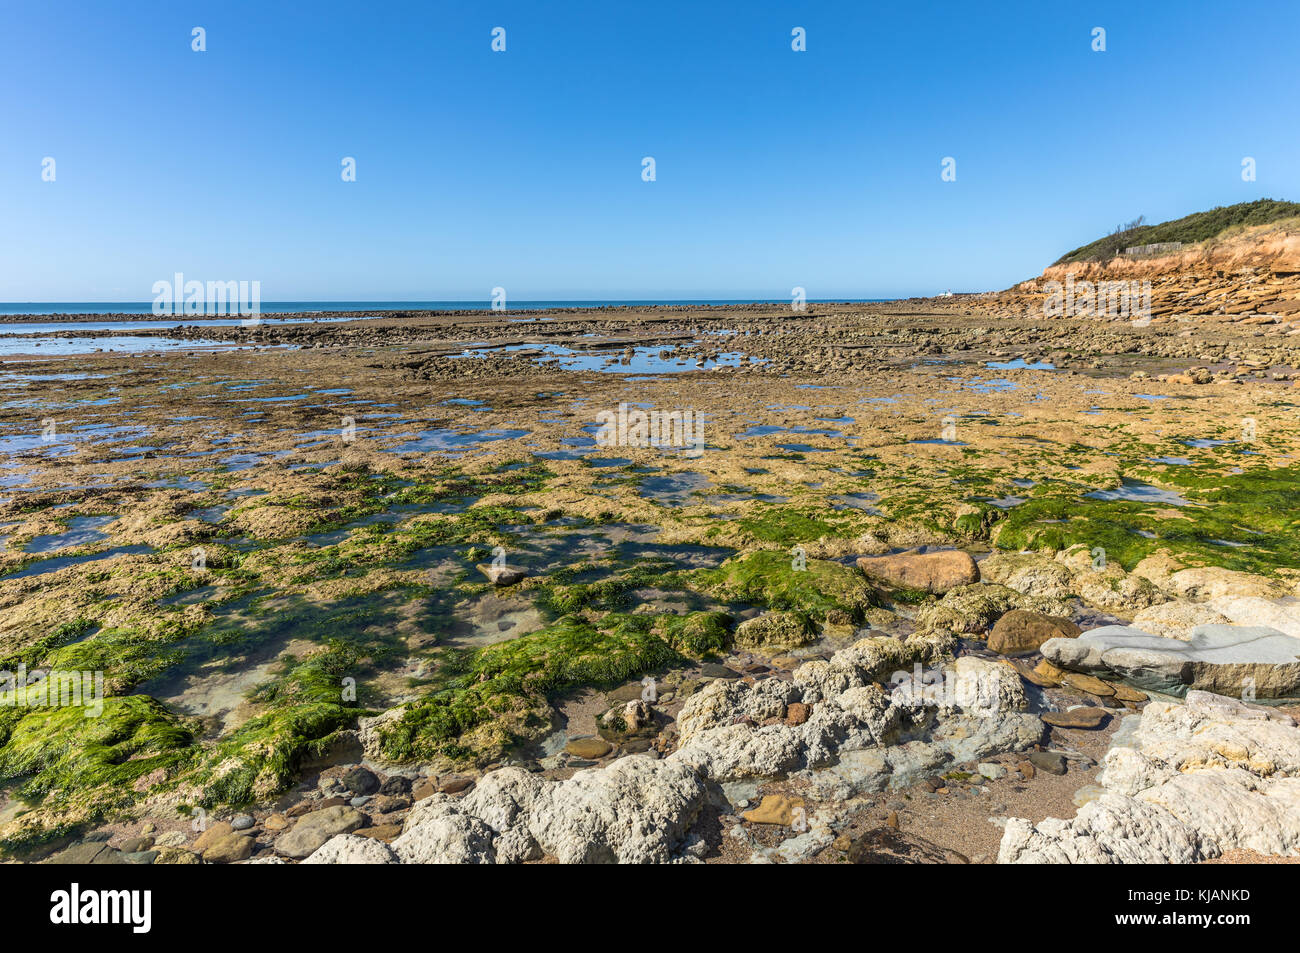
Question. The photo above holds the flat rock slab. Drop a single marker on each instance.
(1087, 717)
(932, 572)
(1226, 659)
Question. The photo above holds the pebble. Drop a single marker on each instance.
(1053, 762)
(588, 748)
(242, 822)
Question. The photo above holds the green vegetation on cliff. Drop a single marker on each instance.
(1189, 229)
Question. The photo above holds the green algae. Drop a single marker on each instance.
(498, 696)
(768, 578)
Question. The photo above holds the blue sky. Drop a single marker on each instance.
(523, 169)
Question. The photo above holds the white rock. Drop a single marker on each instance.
(351, 849)
(1175, 620)
(1191, 781)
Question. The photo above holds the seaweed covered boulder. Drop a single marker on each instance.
(820, 589)
(968, 610)
(775, 630)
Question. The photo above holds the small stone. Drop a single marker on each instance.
(396, 786)
(456, 785)
(1045, 669)
(212, 834)
(773, 809)
(242, 822)
(796, 713)
(1087, 683)
(176, 855)
(714, 670)
(1088, 716)
(275, 822)
(422, 789)
(229, 849)
(501, 575)
(588, 749)
(360, 780)
(1053, 762)
(383, 832)
(313, 830)
(1129, 695)
(1026, 769)
(994, 772)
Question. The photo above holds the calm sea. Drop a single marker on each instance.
(273, 307)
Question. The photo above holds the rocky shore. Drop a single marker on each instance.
(943, 582)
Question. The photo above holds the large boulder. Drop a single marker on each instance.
(1227, 659)
(931, 572)
(1021, 630)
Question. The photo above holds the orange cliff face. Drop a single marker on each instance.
(1246, 276)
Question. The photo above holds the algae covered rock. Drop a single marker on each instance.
(775, 630)
(698, 634)
(972, 609)
(815, 587)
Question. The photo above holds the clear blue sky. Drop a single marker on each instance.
(523, 169)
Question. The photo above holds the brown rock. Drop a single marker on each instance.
(307, 807)
(773, 809)
(275, 822)
(796, 713)
(383, 832)
(455, 785)
(1129, 695)
(932, 572)
(1088, 717)
(228, 849)
(1029, 674)
(423, 788)
(211, 835)
(1021, 630)
(1026, 769)
(1087, 683)
(589, 749)
(1045, 669)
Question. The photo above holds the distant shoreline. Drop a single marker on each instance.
(24, 311)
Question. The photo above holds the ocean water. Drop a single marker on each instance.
(300, 307)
